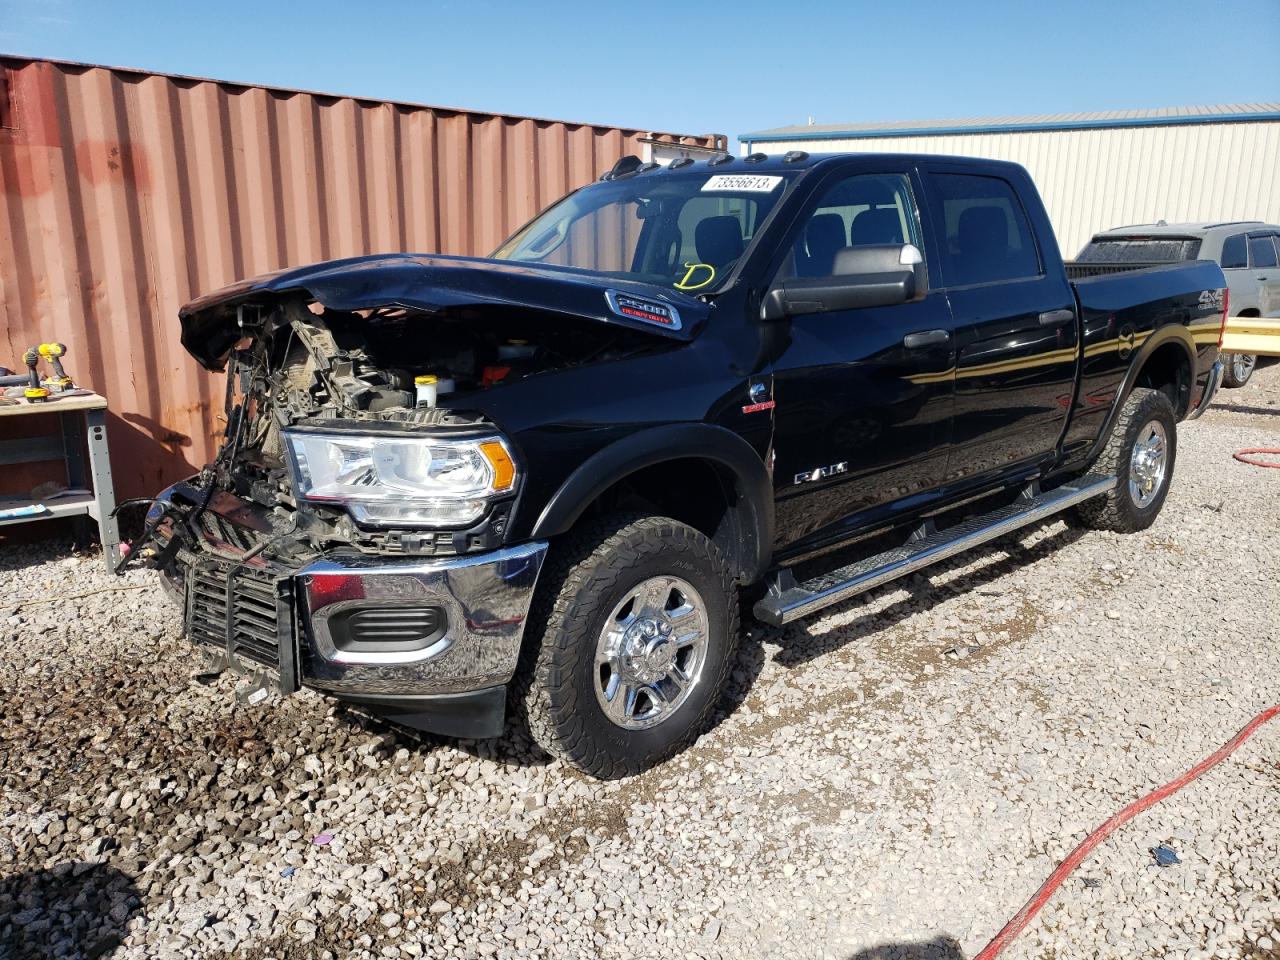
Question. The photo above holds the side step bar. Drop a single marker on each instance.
(788, 600)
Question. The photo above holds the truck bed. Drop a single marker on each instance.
(1078, 270)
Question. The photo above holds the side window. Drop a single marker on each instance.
(1262, 251)
(986, 237)
(1234, 255)
(858, 210)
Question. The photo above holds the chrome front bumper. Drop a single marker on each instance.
(292, 626)
(1210, 390)
(485, 600)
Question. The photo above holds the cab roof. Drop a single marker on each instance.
(779, 163)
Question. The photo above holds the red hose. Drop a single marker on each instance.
(1244, 456)
(1077, 856)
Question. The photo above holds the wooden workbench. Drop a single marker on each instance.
(82, 421)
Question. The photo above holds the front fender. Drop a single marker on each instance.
(655, 445)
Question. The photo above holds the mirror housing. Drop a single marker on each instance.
(876, 275)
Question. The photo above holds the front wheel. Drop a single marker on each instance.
(1238, 368)
(1140, 455)
(629, 644)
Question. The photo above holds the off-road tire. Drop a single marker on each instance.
(586, 575)
(1116, 510)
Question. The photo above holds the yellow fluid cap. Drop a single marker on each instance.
(427, 378)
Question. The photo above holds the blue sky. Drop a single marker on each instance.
(693, 67)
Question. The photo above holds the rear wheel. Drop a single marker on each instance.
(1238, 368)
(634, 630)
(1140, 454)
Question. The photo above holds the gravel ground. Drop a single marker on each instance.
(890, 780)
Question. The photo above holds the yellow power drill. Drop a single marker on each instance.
(34, 392)
(53, 354)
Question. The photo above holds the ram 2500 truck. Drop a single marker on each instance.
(548, 479)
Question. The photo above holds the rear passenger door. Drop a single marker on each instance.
(1245, 291)
(1263, 258)
(1016, 337)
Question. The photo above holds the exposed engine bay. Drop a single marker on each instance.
(387, 370)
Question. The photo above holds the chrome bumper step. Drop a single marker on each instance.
(788, 600)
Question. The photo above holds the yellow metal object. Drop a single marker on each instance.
(1257, 335)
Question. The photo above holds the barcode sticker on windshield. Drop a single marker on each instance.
(747, 182)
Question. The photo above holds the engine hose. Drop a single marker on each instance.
(1077, 856)
(1249, 456)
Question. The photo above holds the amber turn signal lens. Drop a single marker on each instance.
(504, 470)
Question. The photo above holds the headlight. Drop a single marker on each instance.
(399, 480)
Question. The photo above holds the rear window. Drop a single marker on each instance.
(1234, 254)
(987, 235)
(1139, 250)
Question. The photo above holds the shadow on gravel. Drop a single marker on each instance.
(800, 647)
(75, 910)
(747, 664)
(515, 748)
(1240, 408)
(941, 948)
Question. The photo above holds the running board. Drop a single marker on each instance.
(787, 600)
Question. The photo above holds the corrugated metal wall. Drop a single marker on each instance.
(124, 194)
(1092, 180)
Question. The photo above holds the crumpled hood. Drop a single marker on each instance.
(428, 283)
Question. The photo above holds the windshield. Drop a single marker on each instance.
(686, 231)
(1139, 250)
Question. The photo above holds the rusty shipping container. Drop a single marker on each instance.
(123, 194)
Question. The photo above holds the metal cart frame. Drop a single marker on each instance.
(82, 422)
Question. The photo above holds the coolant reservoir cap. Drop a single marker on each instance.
(427, 378)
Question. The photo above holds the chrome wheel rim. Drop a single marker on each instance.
(1148, 463)
(651, 652)
(1242, 365)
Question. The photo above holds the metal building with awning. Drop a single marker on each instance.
(1095, 170)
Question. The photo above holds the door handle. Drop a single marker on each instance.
(925, 338)
(1056, 318)
(1262, 276)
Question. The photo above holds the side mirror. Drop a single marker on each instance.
(879, 275)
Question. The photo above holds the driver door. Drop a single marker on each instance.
(864, 396)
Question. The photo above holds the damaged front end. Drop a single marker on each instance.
(350, 533)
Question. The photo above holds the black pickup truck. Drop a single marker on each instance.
(549, 479)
